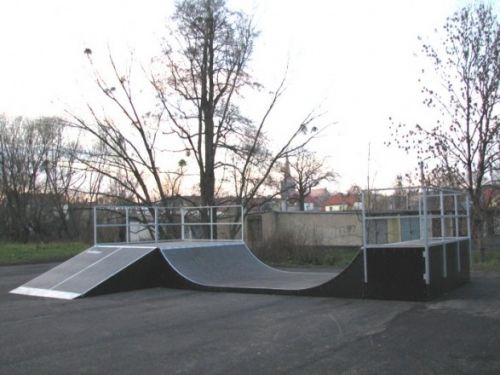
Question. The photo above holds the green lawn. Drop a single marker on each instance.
(13, 253)
(304, 257)
(341, 259)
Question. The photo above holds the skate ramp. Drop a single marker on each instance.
(233, 267)
(98, 270)
(205, 265)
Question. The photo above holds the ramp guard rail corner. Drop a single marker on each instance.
(146, 226)
(439, 216)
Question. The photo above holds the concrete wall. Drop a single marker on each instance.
(308, 228)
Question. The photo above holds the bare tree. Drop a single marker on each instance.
(252, 165)
(173, 183)
(354, 190)
(201, 74)
(127, 150)
(20, 165)
(37, 176)
(464, 142)
(207, 61)
(63, 180)
(307, 171)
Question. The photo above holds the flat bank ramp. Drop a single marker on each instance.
(233, 267)
(98, 270)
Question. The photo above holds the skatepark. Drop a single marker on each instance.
(212, 307)
(417, 265)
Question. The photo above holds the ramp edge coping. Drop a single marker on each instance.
(169, 244)
(39, 292)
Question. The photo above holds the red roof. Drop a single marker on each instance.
(341, 199)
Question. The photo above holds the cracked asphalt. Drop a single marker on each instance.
(166, 331)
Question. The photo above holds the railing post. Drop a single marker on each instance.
(427, 277)
(469, 232)
(443, 224)
(211, 213)
(457, 231)
(443, 230)
(242, 223)
(364, 228)
(156, 223)
(182, 223)
(95, 225)
(127, 227)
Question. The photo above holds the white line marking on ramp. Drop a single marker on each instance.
(84, 269)
(38, 292)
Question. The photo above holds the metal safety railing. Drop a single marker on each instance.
(414, 214)
(417, 216)
(138, 224)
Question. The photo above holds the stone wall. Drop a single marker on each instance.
(317, 229)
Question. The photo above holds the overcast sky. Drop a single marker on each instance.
(357, 60)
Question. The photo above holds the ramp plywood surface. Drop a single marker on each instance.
(235, 266)
(83, 272)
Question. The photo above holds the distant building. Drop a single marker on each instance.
(316, 199)
(342, 202)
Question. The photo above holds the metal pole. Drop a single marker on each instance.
(156, 224)
(441, 203)
(426, 237)
(95, 225)
(469, 232)
(457, 232)
(365, 259)
(211, 213)
(443, 230)
(420, 216)
(182, 223)
(127, 228)
(242, 223)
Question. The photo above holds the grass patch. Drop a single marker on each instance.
(15, 253)
(491, 262)
(335, 257)
(291, 256)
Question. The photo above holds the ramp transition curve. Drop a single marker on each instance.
(393, 272)
(216, 266)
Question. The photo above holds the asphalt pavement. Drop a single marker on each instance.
(167, 331)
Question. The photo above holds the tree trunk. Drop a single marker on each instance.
(478, 230)
(301, 202)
